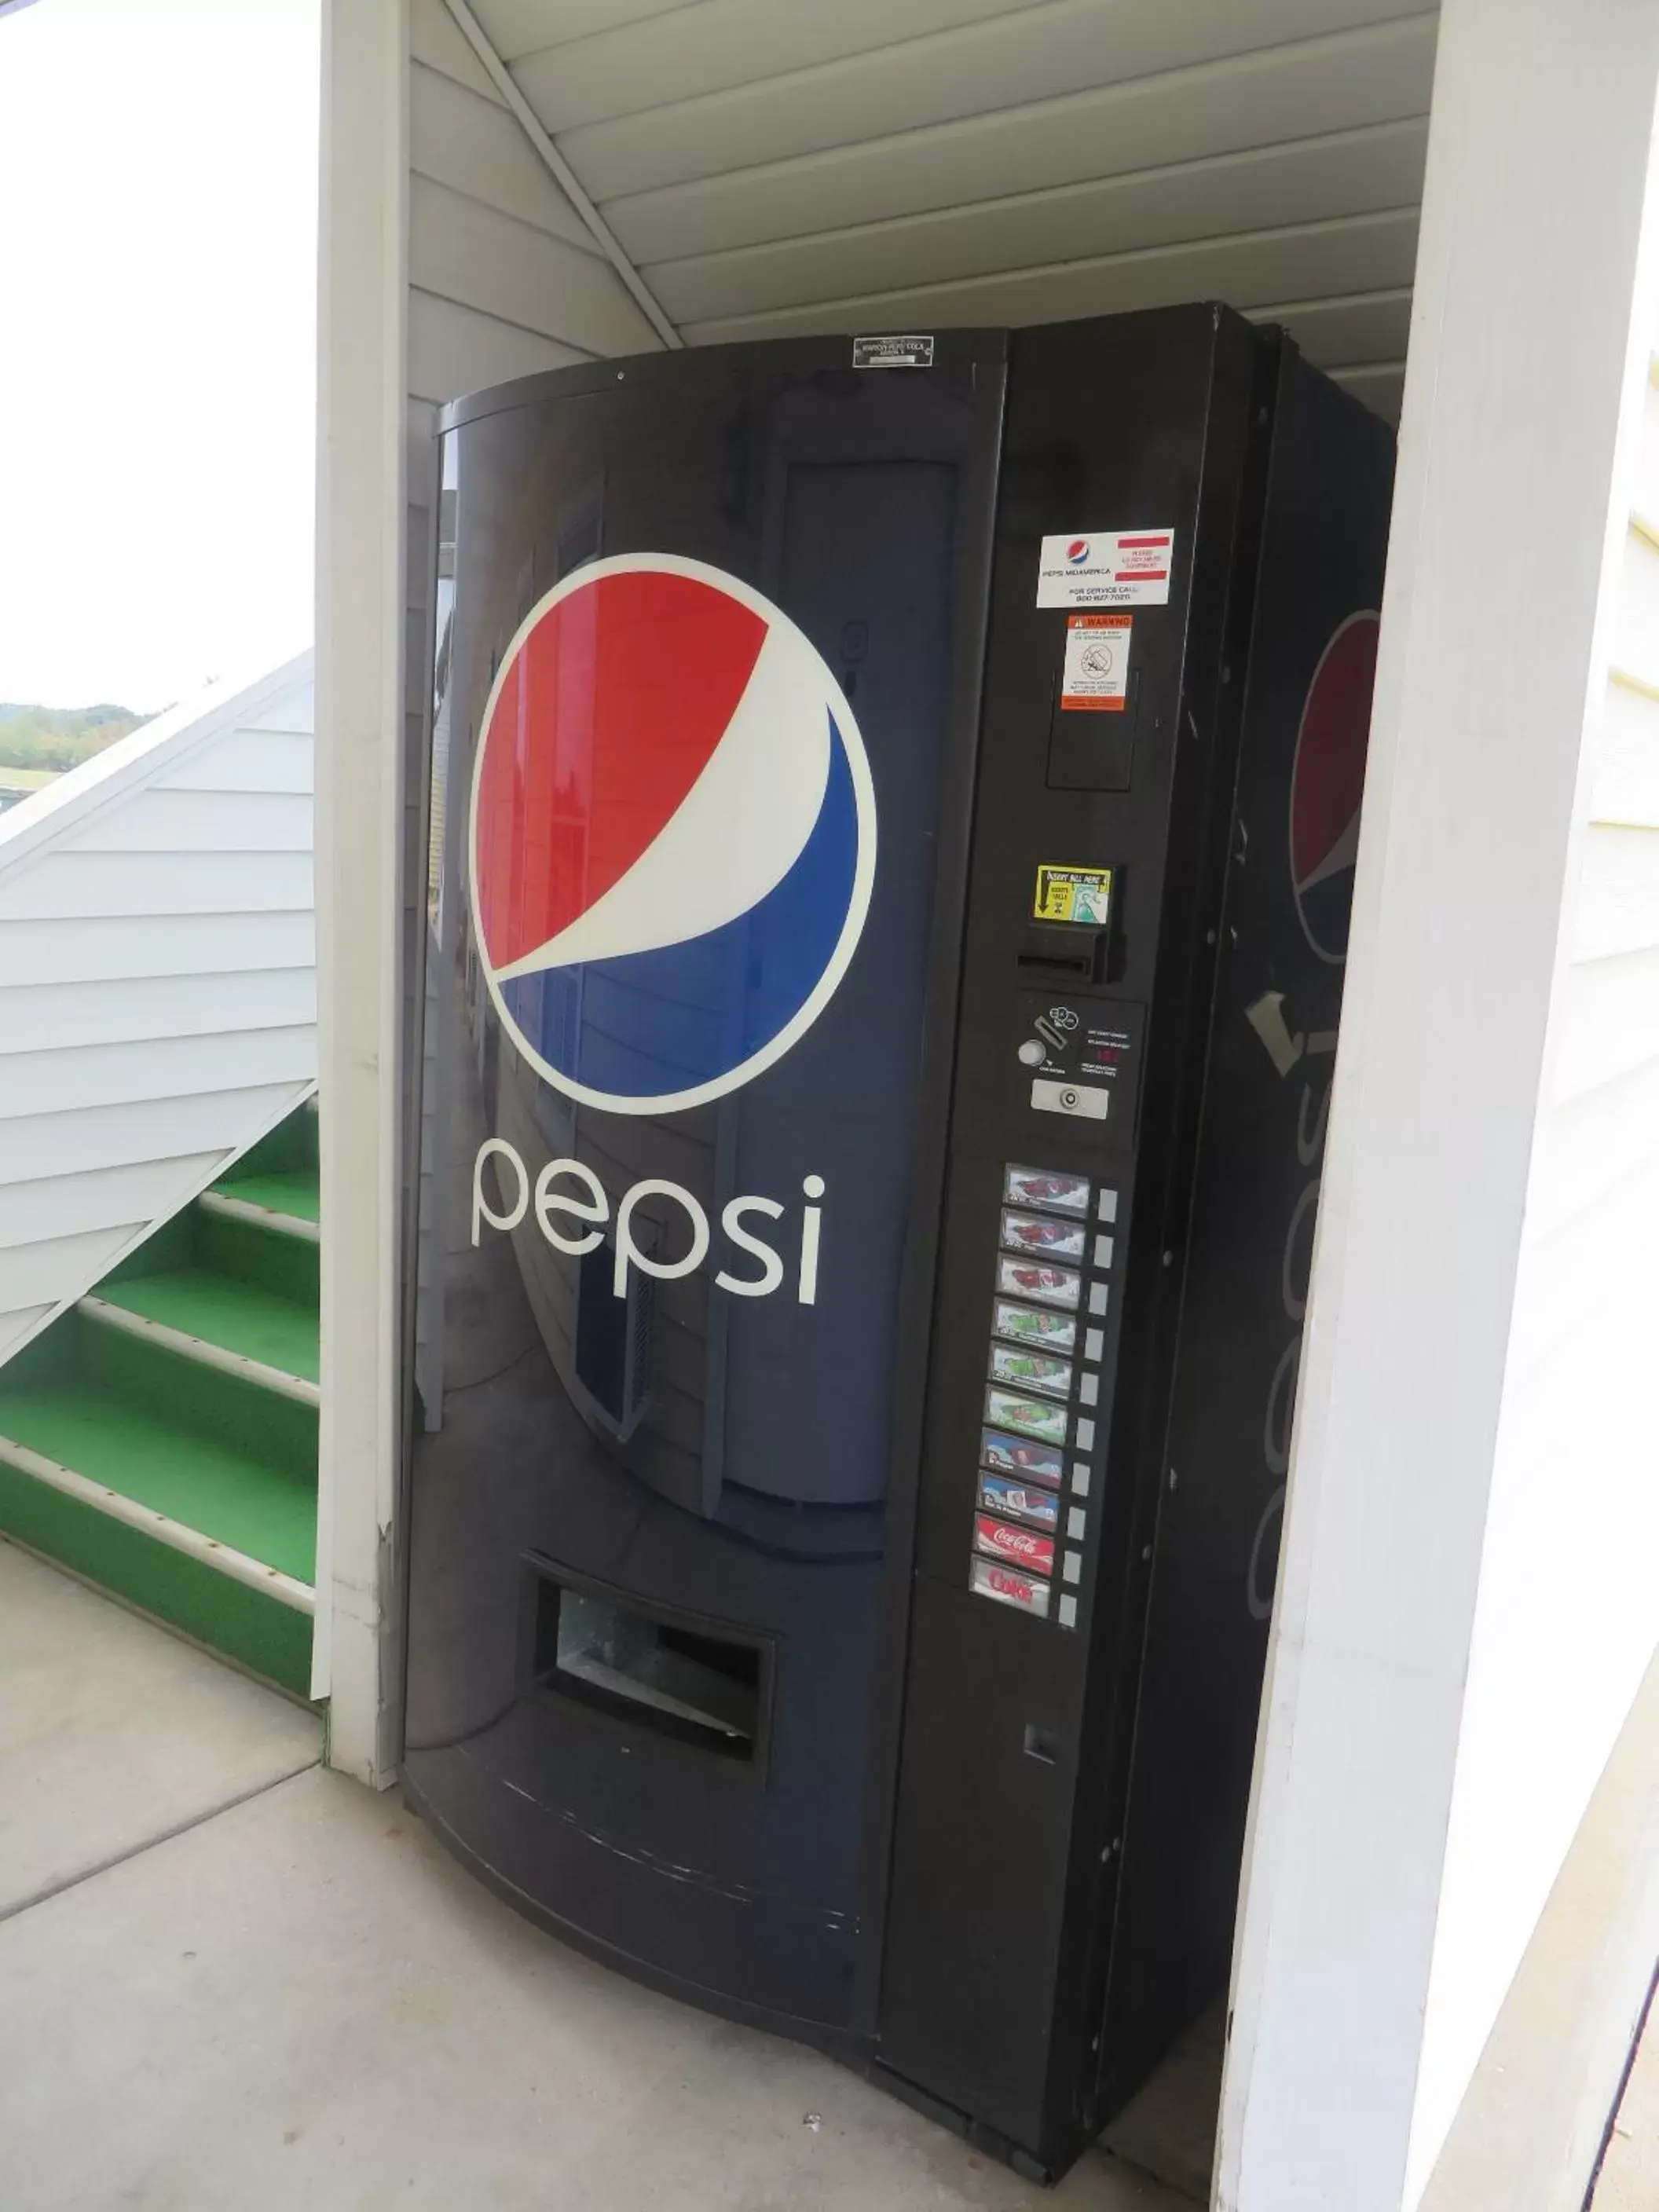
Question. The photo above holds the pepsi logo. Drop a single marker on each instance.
(673, 835)
(1327, 781)
(1077, 551)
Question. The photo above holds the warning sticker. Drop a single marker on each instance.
(1072, 894)
(1106, 569)
(1097, 676)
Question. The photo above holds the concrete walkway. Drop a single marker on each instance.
(113, 1734)
(1630, 2170)
(229, 1977)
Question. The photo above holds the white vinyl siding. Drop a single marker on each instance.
(82, 886)
(791, 80)
(1134, 136)
(504, 278)
(1566, 1624)
(1594, 1192)
(157, 983)
(775, 170)
(1263, 190)
(522, 274)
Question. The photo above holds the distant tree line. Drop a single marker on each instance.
(59, 736)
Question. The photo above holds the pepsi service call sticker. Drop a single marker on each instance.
(1096, 677)
(1106, 569)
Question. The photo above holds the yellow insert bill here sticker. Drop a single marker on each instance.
(1072, 894)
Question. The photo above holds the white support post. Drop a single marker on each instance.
(360, 682)
(1492, 640)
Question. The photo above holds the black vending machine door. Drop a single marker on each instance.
(1171, 764)
(710, 628)
(1125, 544)
(1248, 1248)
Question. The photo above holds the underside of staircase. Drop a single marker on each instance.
(161, 1438)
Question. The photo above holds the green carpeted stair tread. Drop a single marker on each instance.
(249, 1624)
(292, 1191)
(211, 1444)
(225, 1310)
(193, 1479)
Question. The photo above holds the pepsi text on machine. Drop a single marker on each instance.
(1328, 775)
(670, 785)
(572, 1210)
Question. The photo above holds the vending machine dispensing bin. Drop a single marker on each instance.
(892, 817)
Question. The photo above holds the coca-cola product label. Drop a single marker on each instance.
(1020, 1547)
(1037, 1233)
(1060, 1194)
(1027, 1278)
(990, 1578)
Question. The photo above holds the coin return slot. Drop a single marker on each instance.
(665, 1674)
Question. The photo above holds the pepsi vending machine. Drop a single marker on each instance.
(891, 828)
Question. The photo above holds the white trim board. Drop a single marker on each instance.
(1361, 1997)
(362, 347)
(1528, 2131)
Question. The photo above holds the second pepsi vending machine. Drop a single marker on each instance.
(891, 826)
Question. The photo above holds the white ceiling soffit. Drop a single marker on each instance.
(774, 166)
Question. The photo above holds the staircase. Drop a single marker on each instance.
(160, 1437)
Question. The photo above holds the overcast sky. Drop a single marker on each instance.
(157, 344)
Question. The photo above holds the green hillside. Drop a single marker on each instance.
(59, 736)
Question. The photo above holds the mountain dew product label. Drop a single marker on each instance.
(1027, 1417)
(1055, 1332)
(1031, 1370)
